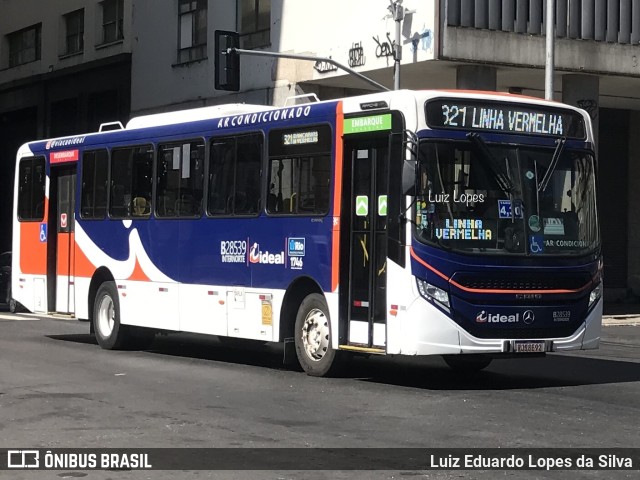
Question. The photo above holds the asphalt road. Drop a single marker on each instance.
(59, 389)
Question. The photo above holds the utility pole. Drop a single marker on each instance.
(549, 64)
(397, 12)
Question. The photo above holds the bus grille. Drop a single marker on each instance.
(519, 281)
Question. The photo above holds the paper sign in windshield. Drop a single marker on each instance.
(553, 226)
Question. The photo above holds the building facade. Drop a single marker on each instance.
(65, 67)
(62, 71)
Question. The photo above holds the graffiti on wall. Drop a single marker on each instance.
(384, 49)
(422, 41)
(322, 66)
(356, 55)
(590, 106)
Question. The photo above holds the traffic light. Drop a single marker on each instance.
(227, 65)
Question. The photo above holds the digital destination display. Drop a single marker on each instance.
(524, 119)
(300, 138)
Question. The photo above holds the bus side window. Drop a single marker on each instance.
(247, 184)
(221, 176)
(300, 170)
(234, 175)
(131, 177)
(93, 199)
(31, 189)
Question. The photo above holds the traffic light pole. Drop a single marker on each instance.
(310, 58)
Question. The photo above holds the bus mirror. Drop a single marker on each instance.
(409, 177)
(226, 64)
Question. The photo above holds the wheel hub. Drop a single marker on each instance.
(315, 334)
(106, 316)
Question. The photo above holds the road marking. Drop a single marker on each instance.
(17, 317)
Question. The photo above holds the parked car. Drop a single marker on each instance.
(5, 282)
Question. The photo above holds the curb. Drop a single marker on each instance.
(621, 320)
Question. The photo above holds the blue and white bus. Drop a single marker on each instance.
(449, 223)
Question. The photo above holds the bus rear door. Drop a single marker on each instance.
(60, 251)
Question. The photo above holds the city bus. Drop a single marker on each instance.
(453, 223)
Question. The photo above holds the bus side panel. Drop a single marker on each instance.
(400, 294)
(147, 296)
(29, 257)
(84, 270)
(203, 309)
(148, 304)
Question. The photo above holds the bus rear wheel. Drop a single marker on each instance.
(109, 332)
(470, 363)
(14, 306)
(313, 337)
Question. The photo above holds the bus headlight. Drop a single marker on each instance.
(595, 295)
(431, 292)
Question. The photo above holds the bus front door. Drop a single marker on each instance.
(60, 242)
(364, 240)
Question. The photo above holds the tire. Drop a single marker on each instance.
(14, 306)
(471, 363)
(313, 337)
(110, 334)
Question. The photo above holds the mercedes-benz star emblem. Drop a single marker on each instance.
(528, 317)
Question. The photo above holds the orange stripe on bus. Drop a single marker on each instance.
(138, 274)
(83, 266)
(422, 262)
(33, 252)
(337, 199)
(492, 290)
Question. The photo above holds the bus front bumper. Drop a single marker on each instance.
(437, 334)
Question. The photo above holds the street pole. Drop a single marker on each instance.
(397, 10)
(549, 64)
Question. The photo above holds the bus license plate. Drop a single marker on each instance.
(529, 347)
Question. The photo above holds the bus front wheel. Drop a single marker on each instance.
(110, 334)
(469, 363)
(313, 337)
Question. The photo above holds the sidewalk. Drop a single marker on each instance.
(621, 314)
(620, 320)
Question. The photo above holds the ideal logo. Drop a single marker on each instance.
(484, 317)
(258, 256)
(296, 247)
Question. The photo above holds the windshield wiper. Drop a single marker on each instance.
(504, 182)
(542, 186)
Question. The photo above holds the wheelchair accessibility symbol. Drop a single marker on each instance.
(536, 243)
(43, 232)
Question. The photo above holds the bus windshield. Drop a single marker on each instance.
(483, 198)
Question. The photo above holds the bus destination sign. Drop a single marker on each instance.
(491, 116)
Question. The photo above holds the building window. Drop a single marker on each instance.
(255, 23)
(193, 30)
(24, 45)
(112, 20)
(74, 22)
